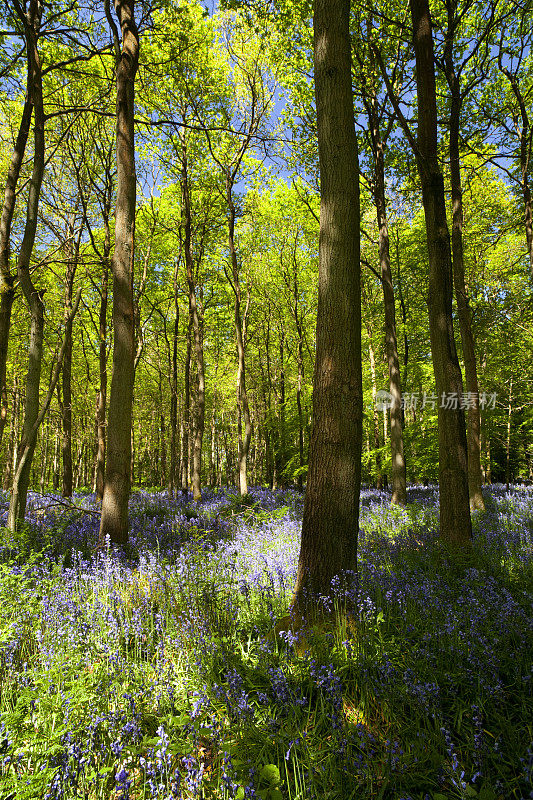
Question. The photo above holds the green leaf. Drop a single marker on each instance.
(270, 774)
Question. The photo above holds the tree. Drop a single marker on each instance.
(376, 112)
(455, 523)
(331, 509)
(30, 20)
(114, 519)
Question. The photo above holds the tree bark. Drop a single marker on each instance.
(331, 509)
(31, 22)
(7, 292)
(461, 295)
(114, 518)
(455, 523)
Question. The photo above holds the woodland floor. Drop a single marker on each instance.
(154, 673)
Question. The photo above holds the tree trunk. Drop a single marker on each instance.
(174, 462)
(196, 330)
(186, 417)
(11, 460)
(455, 523)
(102, 349)
(375, 115)
(331, 509)
(21, 478)
(114, 519)
(375, 416)
(72, 262)
(508, 437)
(55, 463)
(463, 309)
(7, 292)
(240, 328)
(525, 138)
(398, 469)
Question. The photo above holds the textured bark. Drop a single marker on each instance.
(6, 278)
(331, 509)
(114, 518)
(461, 295)
(455, 523)
(21, 479)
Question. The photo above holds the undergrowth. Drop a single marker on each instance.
(156, 674)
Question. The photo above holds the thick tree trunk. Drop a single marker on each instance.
(331, 509)
(6, 278)
(114, 519)
(21, 478)
(455, 523)
(463, 309)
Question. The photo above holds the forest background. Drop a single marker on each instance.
(226, 232)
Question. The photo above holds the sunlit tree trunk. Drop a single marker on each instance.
(114, 518)
(21, 479)
(331, 509)
(7, 292)
(461, 295)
